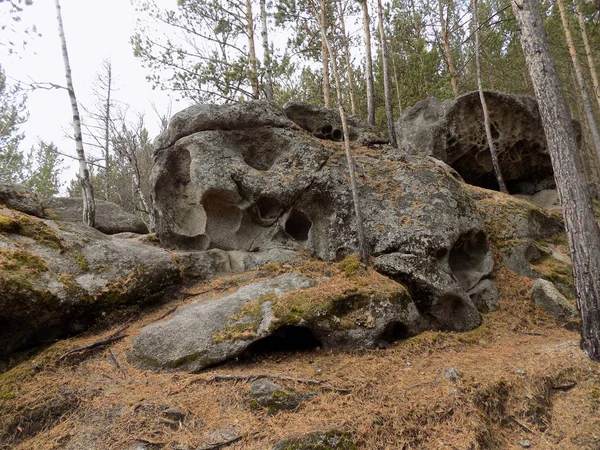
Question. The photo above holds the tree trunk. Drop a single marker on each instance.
(347, 58)
(252, 51)
(389, 111)
(369, 64)
(587, 105)
(397, 88)
(325, 54)
(360, 229)
(89, 206)
(582, 229)
(486, 114)
(267, 50)
(447, 49)
(107, 129)
(588, 53)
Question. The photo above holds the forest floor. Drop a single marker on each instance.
(523, 383)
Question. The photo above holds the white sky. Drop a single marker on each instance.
(95, 30)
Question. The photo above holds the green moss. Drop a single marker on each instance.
(350, 265)
(81, 261)
(475, 336)
(559, 272)
(31, 227)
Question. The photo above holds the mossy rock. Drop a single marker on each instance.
(327, 440)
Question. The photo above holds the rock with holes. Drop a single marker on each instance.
(325, 123)
(348, 308)
(59, 278)
(273, 187)
(453, 131)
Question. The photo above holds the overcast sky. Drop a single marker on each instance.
(95, 30)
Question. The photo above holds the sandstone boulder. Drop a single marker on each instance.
(325, 123)
(110, 217)
(453, 131)
(348, 308)
(273, 187)
(20, 198)
(59, 278)
(547, 297)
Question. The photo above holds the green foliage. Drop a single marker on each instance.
(45, 164)
(12, 115)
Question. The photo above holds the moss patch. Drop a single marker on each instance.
(31, 227)
(81, 261)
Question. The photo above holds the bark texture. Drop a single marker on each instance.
(486, 113)
(252, 51)
(582, 229)
(87, 193)
(587, 105)
(322, 15)
(264, 32)
(389, 109)
(446, 42)
(369, 64)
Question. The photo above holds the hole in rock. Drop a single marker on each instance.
(468, 258)
(261, 157)
(452, 312)
(394, 331)
(288, 338)
(337, 135)
(298, 225)
(326, 129)
(268, 208)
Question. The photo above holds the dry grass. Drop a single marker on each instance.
(399, 398)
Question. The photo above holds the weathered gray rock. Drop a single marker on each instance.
(325, 440)
(453, 131)
(110, 217)
(325, 123)
(218, 437)
(57, 279)
(198, 266)
(20, 198)
(204, 333)
(291, 192)
(547, 297)
(484, 296)
(547, 198)
(269, 395)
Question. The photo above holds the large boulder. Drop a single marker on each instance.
(325, 123)
(275, 187)
(110, 217)
(454, 132)
(20, 198)
(59, 278)
(350, 307)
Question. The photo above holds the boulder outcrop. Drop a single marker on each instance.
(110, 217)
(58, 278)
(326, 123)
(272, 186)
(453, 131)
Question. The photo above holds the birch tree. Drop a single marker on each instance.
(588, 52)
(583, 234)
(444, 21)
(266, 50)
(87, 193)
(368, 63)
(486, 113)
(347, 60)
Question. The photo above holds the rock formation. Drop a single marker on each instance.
(453, 131)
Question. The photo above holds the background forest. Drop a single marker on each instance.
(225, 51)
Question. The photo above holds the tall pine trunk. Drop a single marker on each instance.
(347, 58)
(324, 53)
(89, 206)
(252, 50)
(368, 64)
(587, 105)
(447, 49)
(582, 229)
(486, 113)
(267, 50)
(389, 109)
(588, 53)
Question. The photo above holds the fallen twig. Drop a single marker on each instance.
(426, 383)
(255, 376)
(170, 311)
(521, 424)
(121, 368)
(529, 333)
(100, 343)
(219, 444)
(565, 386)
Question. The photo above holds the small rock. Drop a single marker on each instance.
(525, 444)
(219, 437)
(174, 414)
(333, 440)
(520, 371)
(547, 297)
(263, 386)
(452, 374)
